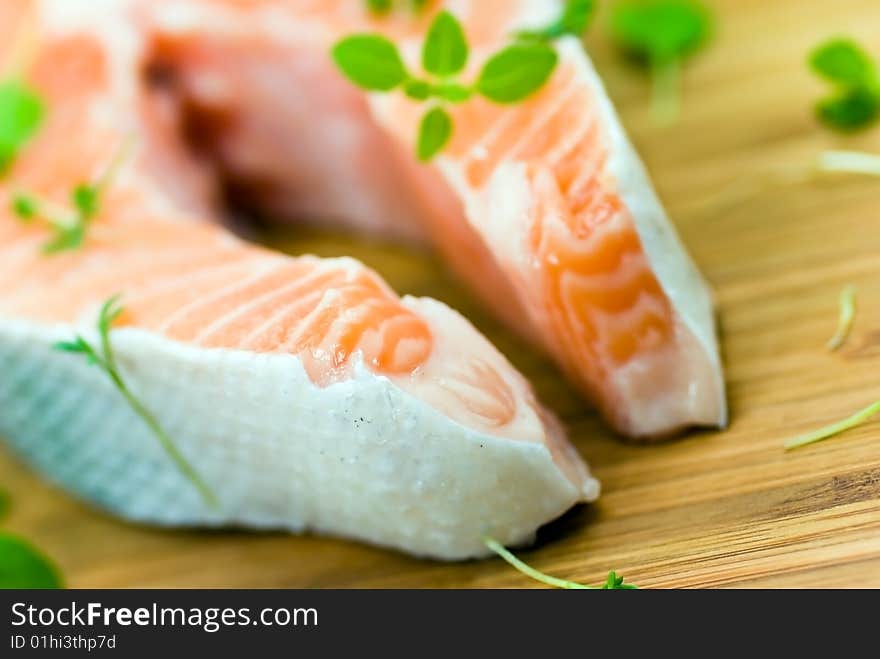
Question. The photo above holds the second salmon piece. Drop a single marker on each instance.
(544, 208)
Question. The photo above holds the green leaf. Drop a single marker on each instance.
(76, 347)
(434, 133)
(370, 61)
(850, 111)
(21, 113)
(66, 239)
(615, 582)
(517, 72)
(79, 347)
(25, 207)
(445, 52)
(660, 29)
(23, 566)
(85, 199)
(843, 61)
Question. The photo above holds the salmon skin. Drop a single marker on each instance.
(304, 392)
(543, 208)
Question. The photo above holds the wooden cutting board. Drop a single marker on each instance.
(714, 509)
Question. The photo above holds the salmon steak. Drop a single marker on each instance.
(301, 393)
(543, 207)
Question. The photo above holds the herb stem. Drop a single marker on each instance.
(847, 317)
(529, 571)
(170, 448)
(112, 170)
(834, 429)
(110, 366)
(106, 361)
(666, 93)
(849, 162)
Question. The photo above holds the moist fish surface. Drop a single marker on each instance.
(305, 393)
(543, 207)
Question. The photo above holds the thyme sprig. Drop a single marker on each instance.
(104, 358)
(613, 582)
(374, 63)
(70, 227)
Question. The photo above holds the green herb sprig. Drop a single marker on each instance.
(855, 103)
(614, 581)
(661, 34)
(69, 227)
(373, 63)
(21, 114)
(104, 358)
(574, 20)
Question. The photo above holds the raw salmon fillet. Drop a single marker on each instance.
(543, 208)
(304, 392)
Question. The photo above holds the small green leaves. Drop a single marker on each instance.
(855, 104)
(446, 50)
(105, 359)
(660, 29)
(21, 113)
(68, 232)
(69, 228)
(370, 61)
(434, 133)
(517, 72)
(574, 21)
(79, 347)
(850, 111)
(615, 582)
(843, 62)
(23, 566)
(661, 34)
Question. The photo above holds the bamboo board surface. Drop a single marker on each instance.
(710, 510)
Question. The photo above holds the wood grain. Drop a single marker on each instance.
(714, 509)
